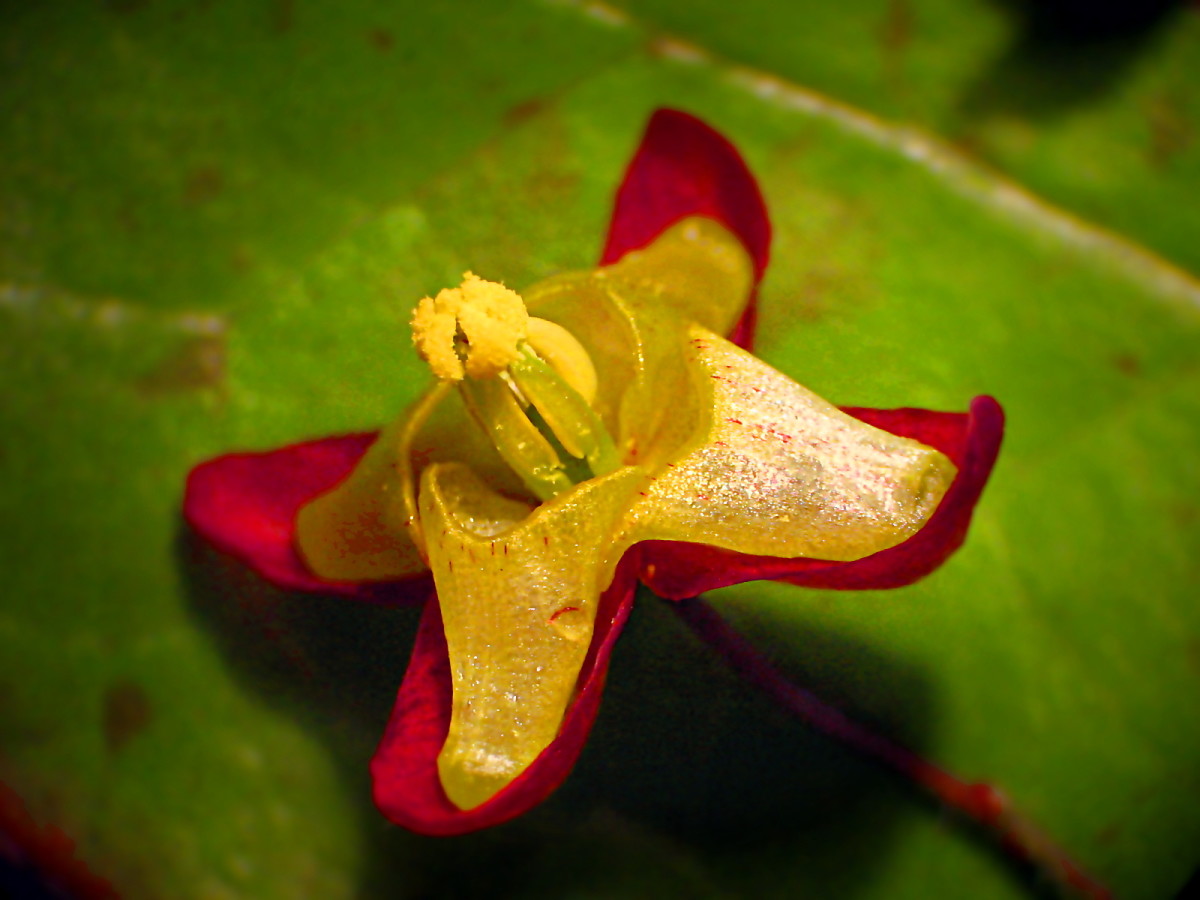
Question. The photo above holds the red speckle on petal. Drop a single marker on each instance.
(560, 612)
(971, 440)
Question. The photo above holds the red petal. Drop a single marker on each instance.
(407, 788)
(971, 440)
(684, 168)
(245, 504)
(30, 850)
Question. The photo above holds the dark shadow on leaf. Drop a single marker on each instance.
(332, 664)
(828, 794)
(320, 654)
(691, 785)
(1066, 53)
(684, 748)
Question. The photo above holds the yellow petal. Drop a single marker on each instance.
(696, 268)
(364, 529)
(775, 470)
(357, 532)
(518, 590)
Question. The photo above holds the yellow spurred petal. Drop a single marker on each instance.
(777, 471)
(518, 591)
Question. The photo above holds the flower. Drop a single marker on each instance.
(659, 452)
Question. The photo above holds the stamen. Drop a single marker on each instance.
(495, 408)
(566, 413)
(528, 383)
(491, 319)
(565, 354)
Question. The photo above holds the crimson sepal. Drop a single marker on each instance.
(971, 440)
(245, 504)
(684, 168)
(407, 787)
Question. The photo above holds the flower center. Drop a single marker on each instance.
(528, 383)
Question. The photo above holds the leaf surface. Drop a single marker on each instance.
(216, 217)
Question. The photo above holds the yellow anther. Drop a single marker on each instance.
(491, 319)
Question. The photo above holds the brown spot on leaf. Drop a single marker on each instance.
(895, 36)
(1192, 649)
(241, 259)
(1127, 364)
(550, 187)
(197, 7)
(1171, 132)
(381, 39)
(822, 287)
(897, 30)
(125, 7)
(1108, 835)
(204, 184)
(525, 110)
(8, 704)
(283, 16)
(127, 218)
(198, 363)
(1184, 515)
(127, 713)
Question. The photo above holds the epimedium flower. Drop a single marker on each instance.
(593, 432)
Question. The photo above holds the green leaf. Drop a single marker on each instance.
(216, 218)
(1108, 125)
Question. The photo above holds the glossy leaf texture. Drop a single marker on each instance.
(229, 264)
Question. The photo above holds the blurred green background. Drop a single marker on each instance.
(214, 219)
